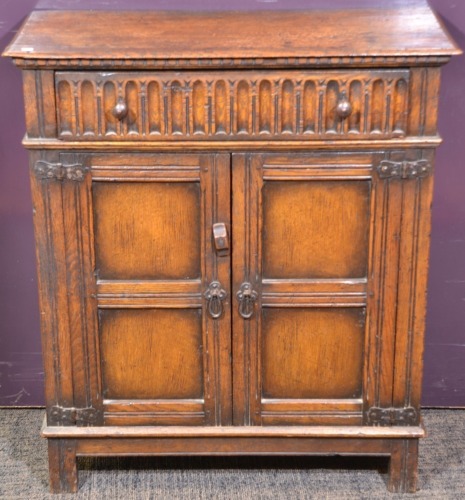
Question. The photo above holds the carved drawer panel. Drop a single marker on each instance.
(301, 105)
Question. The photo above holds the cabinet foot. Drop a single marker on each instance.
(62, 466)
(403, 466)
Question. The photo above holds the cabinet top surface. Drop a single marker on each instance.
(165, 35)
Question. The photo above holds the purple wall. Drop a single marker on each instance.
(21, 374)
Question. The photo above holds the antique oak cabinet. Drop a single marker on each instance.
(232, 216)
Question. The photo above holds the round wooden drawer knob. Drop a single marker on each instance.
(120, 110)
(343, 108)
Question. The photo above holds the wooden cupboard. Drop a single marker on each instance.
(232, 235)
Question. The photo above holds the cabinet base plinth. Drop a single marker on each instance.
(400, 444)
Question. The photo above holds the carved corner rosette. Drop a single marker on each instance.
(416, 169)
(58, 171)
(392, 416)
(82, 417)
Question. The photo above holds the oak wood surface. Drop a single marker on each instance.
(232, 104)
(151, 354)
(147, 230)
(360, 32)
(312, 353)
(232, 431)
(304, 221)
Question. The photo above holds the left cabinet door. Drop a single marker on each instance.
(135, 289)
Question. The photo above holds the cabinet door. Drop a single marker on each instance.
(314, 274)
(147, 333)
(164, 358)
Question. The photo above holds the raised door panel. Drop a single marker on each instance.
(315, 284)
(163, 359)
(152, 353)
(312, 353)
(148, 230)
(315, 229)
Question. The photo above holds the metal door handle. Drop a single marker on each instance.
(215, 296)
(246, 297)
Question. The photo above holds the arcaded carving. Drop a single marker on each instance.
(228, 105)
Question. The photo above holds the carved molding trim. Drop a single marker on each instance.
(293, 62)
(58, 171)
(404, 169)
(392, 416)
(58, 415)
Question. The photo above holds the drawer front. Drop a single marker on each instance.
(232, 105)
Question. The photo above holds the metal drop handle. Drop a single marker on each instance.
(246, 297)
(215, 296)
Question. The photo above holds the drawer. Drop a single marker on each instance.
(232, 105)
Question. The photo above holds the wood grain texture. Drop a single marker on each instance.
(363, 432)
(315, 229)
(234, 446)
(383, 299)
(312, 353)
(81, 289)
(237, 146)
(44, 195)
(63, 466)
(149, 300)
(147, 230)
(292, 34)
(403, 466)
(151, 354)
(413, 268)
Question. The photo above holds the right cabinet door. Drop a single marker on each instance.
(315, 269)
